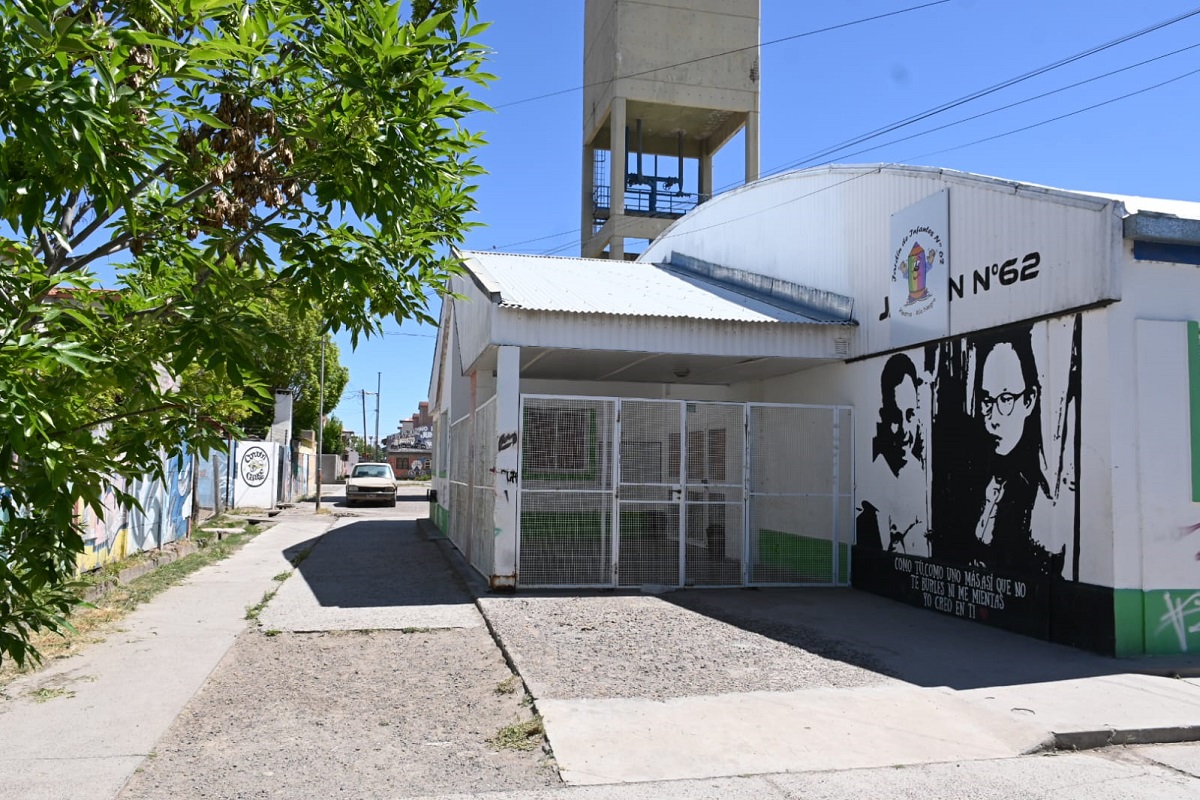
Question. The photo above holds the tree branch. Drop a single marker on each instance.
(45, 248)
(65, 220)
(103, 218)
(130, 415)
(122, 241)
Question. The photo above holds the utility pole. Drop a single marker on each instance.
(364, 405)
(378, 389)
(321, 423)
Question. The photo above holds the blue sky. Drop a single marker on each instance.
(822, 90)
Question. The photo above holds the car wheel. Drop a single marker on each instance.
(393, 501)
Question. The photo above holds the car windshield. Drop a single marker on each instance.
(372, 471)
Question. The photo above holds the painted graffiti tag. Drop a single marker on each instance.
(506, 441)
(1178, 615)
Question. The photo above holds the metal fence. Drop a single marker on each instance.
(472, 500)
(629, 492)
(483, 460)
(566, 491)
(459, 527)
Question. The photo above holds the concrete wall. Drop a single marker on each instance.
(1154, 430)
(946, 482)
(165, 517)
(623, 37)
(255, 475)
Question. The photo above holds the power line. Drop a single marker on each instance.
(793, 37)
(1041, 96)
(982, 140)
(956, 103)
(881, 167)
(829, 151)
(538, 239)
(1064, 116)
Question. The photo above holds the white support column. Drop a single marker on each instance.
(508, 444)
(706, 171)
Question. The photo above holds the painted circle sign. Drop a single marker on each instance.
(255, 466)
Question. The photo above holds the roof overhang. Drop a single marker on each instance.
(642, 347)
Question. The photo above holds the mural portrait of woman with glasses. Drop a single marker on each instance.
(1003, 454)
(1008, 406)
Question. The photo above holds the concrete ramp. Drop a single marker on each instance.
(628, 740)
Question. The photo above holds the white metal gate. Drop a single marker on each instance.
(631, 492)
(471, 487)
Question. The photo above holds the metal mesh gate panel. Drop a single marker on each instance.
(483, 505)
(460, 476)
(649, 496)
(794, 492)
(845, 492)
(716, 451)
(630, 492)
(566, 490)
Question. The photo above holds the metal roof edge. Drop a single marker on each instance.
(1154, 226)
(483, 281)
(517, 308)
(818, 304)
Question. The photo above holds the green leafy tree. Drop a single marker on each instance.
(173, 175)
(290, 359)
(331, 437)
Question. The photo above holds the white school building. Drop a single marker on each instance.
(968, 394)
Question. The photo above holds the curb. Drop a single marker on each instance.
(172, 551)
(1116, 737)
(476, 587)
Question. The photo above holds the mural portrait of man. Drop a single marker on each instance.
(897, 506)
(898, 437)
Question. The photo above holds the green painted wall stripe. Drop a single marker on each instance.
(1194, 381)
(1129, 622)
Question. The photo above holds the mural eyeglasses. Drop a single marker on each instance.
(1004, 403)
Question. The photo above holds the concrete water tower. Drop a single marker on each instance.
(650, 129)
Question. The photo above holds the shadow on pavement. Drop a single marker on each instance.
(375, 563)
(913, 645)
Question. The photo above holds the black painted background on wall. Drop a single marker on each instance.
(877, 572)
(1083, 615)
(1066, 612)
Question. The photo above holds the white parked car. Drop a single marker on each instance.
(371, 482)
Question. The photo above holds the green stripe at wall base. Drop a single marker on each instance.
(1130, 622)
(802, 559)
(440, 517)
(1171, 621)
(1158, 622)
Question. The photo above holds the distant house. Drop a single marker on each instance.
(409, 462)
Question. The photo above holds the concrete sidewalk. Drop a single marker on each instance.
(122, 694)
(947, 690)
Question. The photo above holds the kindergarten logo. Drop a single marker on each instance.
(920, 252)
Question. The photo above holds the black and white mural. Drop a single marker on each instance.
(970, 503)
